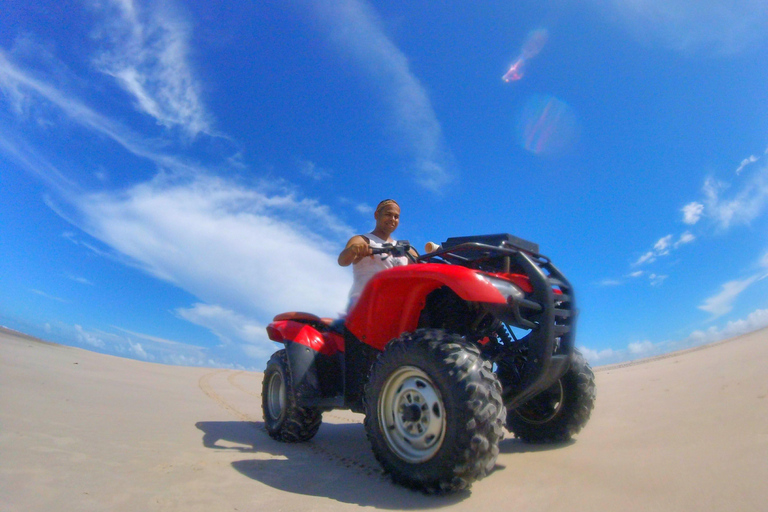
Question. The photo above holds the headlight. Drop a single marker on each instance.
(507, 289)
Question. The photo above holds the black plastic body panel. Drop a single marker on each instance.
(359, 357)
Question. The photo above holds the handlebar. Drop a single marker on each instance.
(399, 249)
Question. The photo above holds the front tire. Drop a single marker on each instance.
(434, 412)
(560, 412)
(284, 420)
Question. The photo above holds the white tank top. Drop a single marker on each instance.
(365, 269)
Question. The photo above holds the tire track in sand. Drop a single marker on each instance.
(205, 385)
(325, 453)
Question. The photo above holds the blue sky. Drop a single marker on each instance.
(174, 174)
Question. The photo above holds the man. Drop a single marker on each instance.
(358, 250)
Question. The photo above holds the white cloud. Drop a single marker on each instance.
(722, 303)
(249, 251)
(364, 208)
(48, 296)
(311, 170)
(693, 25)
(692, 212)
(749, 160)
(595, 356)
(354, 27)
(138, 352)
(657, 280)
(79, 279)
(148, 55)
(256, 250)
(89, 338)
(641, 348)
(662, 246)
(226, 324)
(12, 78)
(756, 320)
(740, 206)
(230, 327)
(648, 257)
(684, 239)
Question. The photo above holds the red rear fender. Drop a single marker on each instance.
(327, 343)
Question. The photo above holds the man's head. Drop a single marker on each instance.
(387, 216)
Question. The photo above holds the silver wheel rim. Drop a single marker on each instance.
(412, 415)
(276, 395)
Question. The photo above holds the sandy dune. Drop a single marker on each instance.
(83, 431)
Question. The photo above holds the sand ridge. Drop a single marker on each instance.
(84, 431)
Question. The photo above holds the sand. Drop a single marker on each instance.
(83, 431)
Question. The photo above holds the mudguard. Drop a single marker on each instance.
(311, 359)
(393, 299)
(326, 343)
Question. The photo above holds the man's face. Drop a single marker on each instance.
(388, 218)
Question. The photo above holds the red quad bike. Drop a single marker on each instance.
(439, 356)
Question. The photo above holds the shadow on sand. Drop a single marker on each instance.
(512, 445)
(315, 468)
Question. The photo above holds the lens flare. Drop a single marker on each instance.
(547, 126)
(533, 44)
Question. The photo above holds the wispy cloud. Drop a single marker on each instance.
(722, 303)
(663, 247)
(730, 203)
(242, 248)
(756, 320)
(694, 25)
(254, 249)
(145, 347)
(48, 296)
(727, 205)
(146, 49)
(231, 328)
(18, 82)
(685, 238)
(355, 28)
(744, 163)
(89, 338)
(313, 171)
(79, 279)
(723, 205)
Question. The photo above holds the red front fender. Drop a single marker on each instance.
(393, 299)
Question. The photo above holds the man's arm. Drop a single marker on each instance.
(357, 248)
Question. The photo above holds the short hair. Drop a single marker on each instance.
(384, 203)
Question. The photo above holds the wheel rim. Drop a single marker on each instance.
(412, 415)
(544, 406)
(276, 395)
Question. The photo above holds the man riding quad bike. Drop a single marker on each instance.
(439, 356)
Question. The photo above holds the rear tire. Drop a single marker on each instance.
(560, 412)
(434, 412)
(284, 420)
